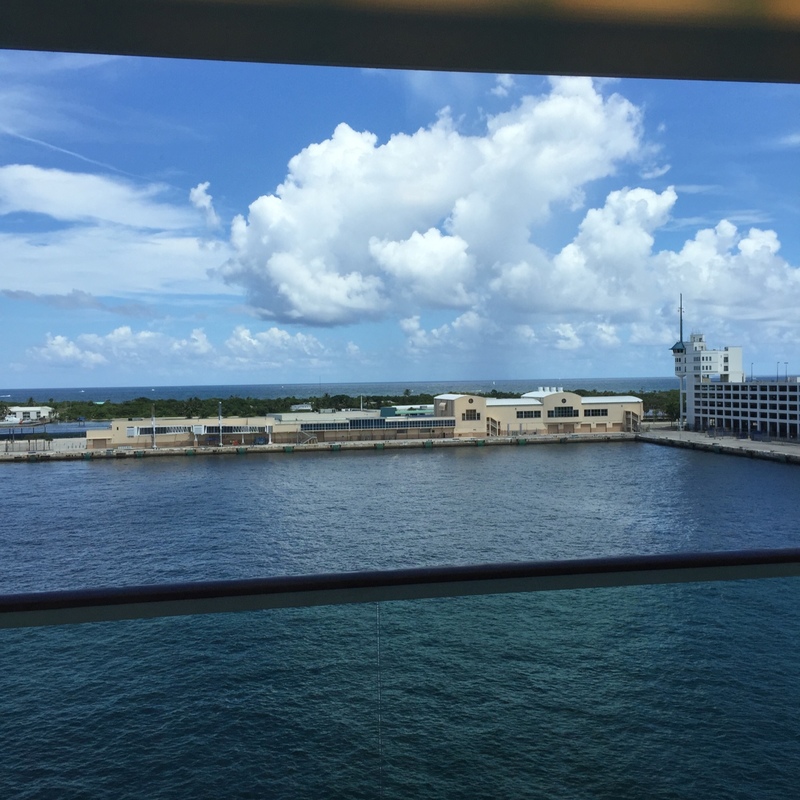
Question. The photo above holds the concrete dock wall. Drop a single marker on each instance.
(331, 447)
(782, 452)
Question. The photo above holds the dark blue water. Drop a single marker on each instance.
(119, 394)
(664, 692)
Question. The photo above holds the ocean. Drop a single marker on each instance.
(119, 394)
(685, 691)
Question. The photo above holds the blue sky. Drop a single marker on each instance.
(180, 222)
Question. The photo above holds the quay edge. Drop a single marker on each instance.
(781, 452)
(331, 447)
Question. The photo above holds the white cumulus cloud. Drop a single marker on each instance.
(360, 230)
(202, 200)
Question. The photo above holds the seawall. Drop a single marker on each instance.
(332, 447)
(782, 452)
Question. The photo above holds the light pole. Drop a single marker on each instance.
(786, 364)
(751, 372)
(778, 371)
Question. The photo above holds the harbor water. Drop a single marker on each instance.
(660, 692)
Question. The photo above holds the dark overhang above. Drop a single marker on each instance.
(756, 40)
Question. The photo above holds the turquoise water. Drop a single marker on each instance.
(663, 692)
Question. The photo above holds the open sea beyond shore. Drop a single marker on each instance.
(684, 691)
(120, 394)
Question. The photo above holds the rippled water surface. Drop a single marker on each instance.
(671, 691)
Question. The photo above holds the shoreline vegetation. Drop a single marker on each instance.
(663, 404)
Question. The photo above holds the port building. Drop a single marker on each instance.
(549, 410)
(28, 414)
(717, 396)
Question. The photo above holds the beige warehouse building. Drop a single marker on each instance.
(545, 411)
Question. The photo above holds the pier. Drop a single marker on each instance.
(767, 450)
(780, 451)
(315, 447)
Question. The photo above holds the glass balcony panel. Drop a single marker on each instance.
(654, 691)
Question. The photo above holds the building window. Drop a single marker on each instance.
(471, 414)
(563, 411)
(595, 412)
(529, 414)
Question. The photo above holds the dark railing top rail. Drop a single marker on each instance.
(163, 600)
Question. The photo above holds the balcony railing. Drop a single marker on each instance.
(166, 600)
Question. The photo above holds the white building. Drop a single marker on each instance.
(719, 397)
(26, 414)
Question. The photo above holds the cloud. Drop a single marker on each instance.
(60, 351)
(81, 197)
(87, 235)
(360, 230)
(144, 347)
(110, 261)
(201, 200)
(124, 349)
(602, 269)
(565, 337)
(273, 347)
(502, 85)
(699, 188)
(80, 301)
(431, 268)
(720, 268)
(463, 333)
(789, 141)
(655, 172)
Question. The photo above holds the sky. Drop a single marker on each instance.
(170, 222)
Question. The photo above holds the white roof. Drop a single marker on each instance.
(448, 396)
(542, 392)
(614, 398)
(315, 416)
(513, 401)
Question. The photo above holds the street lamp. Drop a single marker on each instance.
(786, 364)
